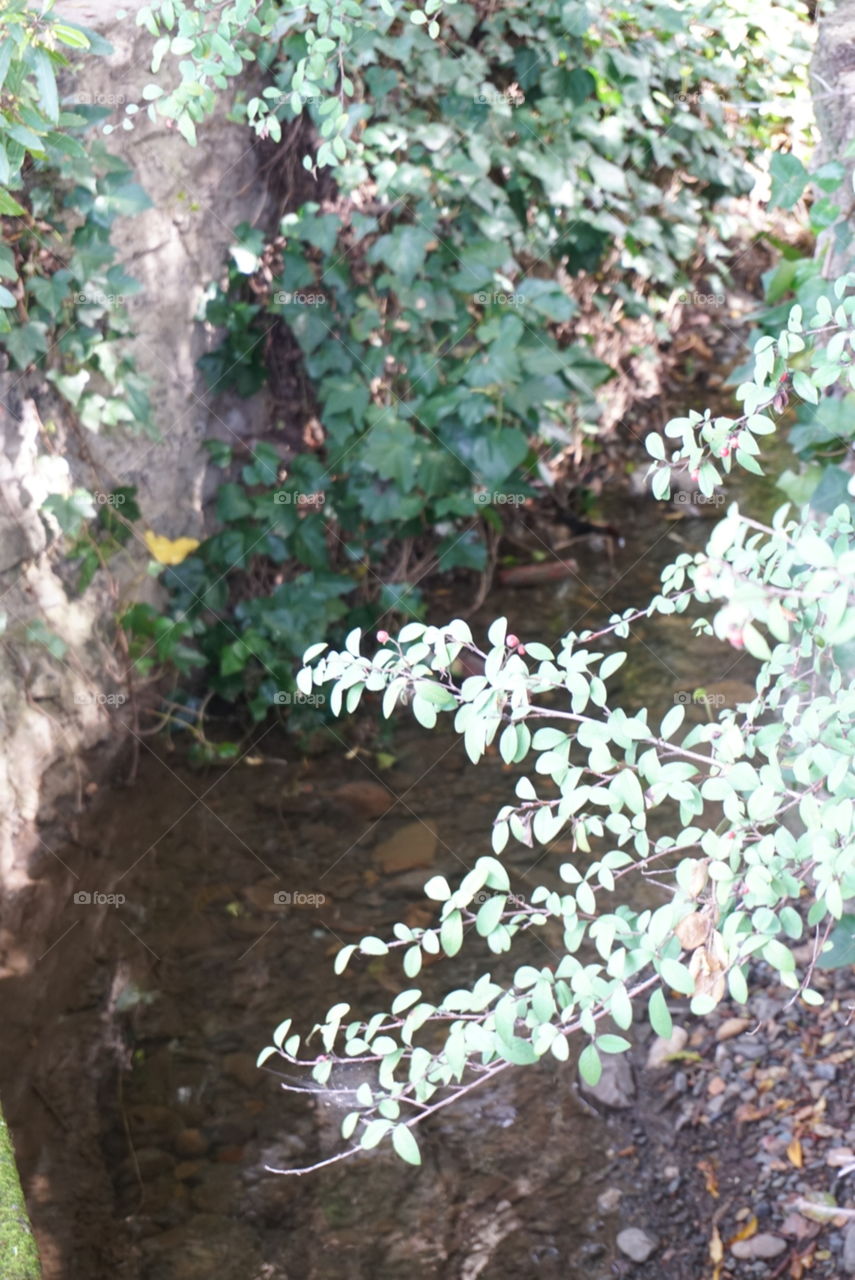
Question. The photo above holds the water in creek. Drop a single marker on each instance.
(159, 1012)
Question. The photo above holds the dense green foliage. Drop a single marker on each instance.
(486, 181)
(68, 314)
(758, 803)
(499, 181)
(32, 123)
(821, 431)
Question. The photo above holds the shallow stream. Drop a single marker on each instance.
(145, 1126)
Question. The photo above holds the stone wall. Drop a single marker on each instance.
(62, 714)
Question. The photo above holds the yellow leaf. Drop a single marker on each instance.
(716, 1250)
(794, 1153)
(716, 1247)
(746, 1232)
(167, 550)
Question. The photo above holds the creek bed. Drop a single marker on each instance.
(164, 1005)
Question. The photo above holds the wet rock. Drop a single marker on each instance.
(272, 1201)
(203, 1247)
(241, 1067)
(661, 1049)
(232, 1130)
(217, 1191)
(616, 1087)
(760, 1246)
(146, 1163)
(409, 885)
(161, 1195)
(367, 799)
(230, 1155)
(262, 894)
(197, 933)
(161, 1020)
(191, 1142)
(282, 1154)
(848, 1259)
(637, 1244)
(186, 1170)
(413, 845)
(153, 1122)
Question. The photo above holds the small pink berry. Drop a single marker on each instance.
(382, 636)
(512, 641)
(521, 650)
(693, 476)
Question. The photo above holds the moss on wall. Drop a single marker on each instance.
(19, 1258)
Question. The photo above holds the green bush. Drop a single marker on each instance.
(482, 184)
(759, 803)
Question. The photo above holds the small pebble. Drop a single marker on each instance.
(661, 1049)
(761, 1246)
(751, 1048)
(732, 1027)
(609, 1200)
(637, 1244)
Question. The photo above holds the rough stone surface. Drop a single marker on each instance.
(55, 709)
(63, 718)
(637, 1244)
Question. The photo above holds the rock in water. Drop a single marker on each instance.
(413, 845)
(637, 1244)
(366, 799)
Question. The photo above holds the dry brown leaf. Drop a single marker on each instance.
(794, 1153)
(707, 971)
(710, 1180)
(698, 877)
(746, 1112)
(693, 930)
(716, 1249)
